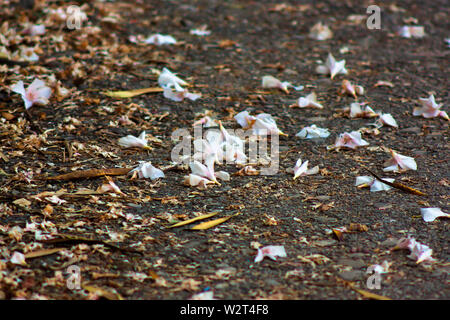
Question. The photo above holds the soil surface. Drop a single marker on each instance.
(120, 243)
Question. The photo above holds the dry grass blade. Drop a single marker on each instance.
(91, 173)
(182, 223)
(370, 295)
(131, 93)
(41, 253)
(213, 223)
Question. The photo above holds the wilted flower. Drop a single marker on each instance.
(272, 82)
(271, 252)
(350, 140)
(180, 95)
(309, 101)
(130, 141)
(430, 214)
(387, 119)
(160, 39)
(419, 252)
(399, 162)
(301, 169)
(262, 124)
(332, 67)
(109, 186)
(201, 171)
(168, 79)
(374, 184)
(36, 93)
(222, 145)
(351, 89)
(147, 170)
(313, 132)
(430, 109)
(382, 268)
(358, 110)
(320, 32)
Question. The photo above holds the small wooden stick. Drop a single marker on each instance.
(398, 185)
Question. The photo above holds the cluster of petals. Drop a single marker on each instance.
(172, 86)
(203, 174)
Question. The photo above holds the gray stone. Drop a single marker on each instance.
(352, 275)
(354, 263)
(389, 242)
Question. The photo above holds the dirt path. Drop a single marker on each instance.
(118, 245)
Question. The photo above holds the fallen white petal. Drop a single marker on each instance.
(350, 140)
(388, 119)
(430, 214)
(271, 252)
(313, 132)
(309, 101)
(18, 258)
(272, 82)
(399, 162)
(147, 170)
(167, 79)
(130, 141)
(160, 39)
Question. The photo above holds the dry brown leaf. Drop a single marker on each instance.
(47, 211)
(226, 43)
(22, 202)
